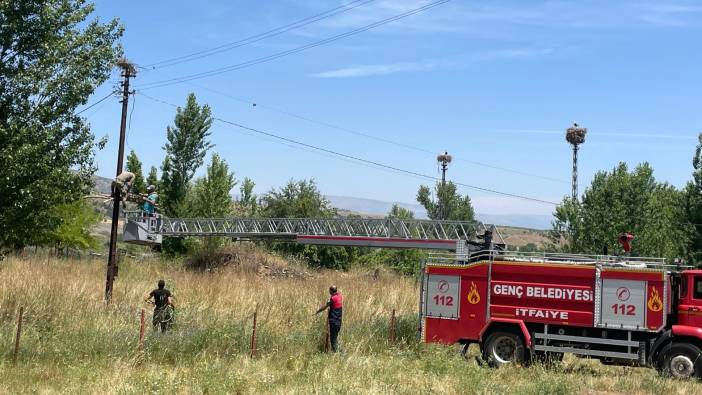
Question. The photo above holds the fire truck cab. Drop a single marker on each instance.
(690, 299)
(523, 307)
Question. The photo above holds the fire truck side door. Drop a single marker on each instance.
(690, 307)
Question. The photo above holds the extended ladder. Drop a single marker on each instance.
(390, 233)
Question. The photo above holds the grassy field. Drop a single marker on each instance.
(73, 343)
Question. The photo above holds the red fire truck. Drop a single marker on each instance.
(523, 307)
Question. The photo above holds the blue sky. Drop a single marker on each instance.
(491, 82)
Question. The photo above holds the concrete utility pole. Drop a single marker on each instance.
(128, 71)
(444, 159)
(575, 135)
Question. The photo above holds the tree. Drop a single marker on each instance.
(400, 213)
(248, 201)
(134, 166)
(622, 201)
(302, 199)
(297, 199)
(51, 61)
(211, 194)
(448, 205)
(188, 142)
(76, 219)
(152, 178)
(692, 205)
(210, 198)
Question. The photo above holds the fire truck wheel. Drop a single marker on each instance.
(683, 360)
(503, 347)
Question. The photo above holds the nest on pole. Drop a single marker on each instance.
(445, 157)
(575, 134)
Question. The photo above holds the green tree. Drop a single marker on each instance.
(188, 142)
(210, 196)
(248, 201)
(152, 178)
(400, 213)
(448, 205)
(297, 199)
(76, 219)
(302, 199)
(51, 60)
(692, 205)
(134, 166)
(622, 201)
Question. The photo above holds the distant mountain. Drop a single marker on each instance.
(373, 207)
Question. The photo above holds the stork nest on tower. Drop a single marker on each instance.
(445, 157)
(576, 134)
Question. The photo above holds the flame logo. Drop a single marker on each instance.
(473, 296)
(655, 303)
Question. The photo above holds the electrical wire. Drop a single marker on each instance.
(129, 123)
(370, 136)
(359, 159)
(94, 104)
(253, 62)
(257, 37)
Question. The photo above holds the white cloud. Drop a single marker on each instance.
(377, 69)
(432, 64)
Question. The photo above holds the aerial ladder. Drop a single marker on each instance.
(459, 236)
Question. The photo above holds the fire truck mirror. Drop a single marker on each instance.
(443, 296)
(623, 303)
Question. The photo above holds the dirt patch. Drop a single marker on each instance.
(247, 258)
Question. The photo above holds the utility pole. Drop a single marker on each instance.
(444, 160)
(575, 135)
(128, 71)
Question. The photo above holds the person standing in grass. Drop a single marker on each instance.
(162, 301)
(334, 304)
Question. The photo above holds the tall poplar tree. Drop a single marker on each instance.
(188, 142)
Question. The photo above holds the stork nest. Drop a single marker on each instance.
(576, 135)
(444, 158)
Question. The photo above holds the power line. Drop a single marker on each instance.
(253, 62)
(257, 37)
(129, 123)
(370, 136)
(94, 104)
(359, 159)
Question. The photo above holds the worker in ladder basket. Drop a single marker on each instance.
(150, 201)
(334, 304)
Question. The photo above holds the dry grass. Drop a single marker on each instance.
(72, 343)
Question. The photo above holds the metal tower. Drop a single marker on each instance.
(444, 160)
(575, 135)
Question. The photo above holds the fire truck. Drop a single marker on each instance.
(523, 307)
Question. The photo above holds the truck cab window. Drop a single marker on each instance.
(683, 288)
(697, 291)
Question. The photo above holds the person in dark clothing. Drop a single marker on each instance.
(161, 298)
(334, 304)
